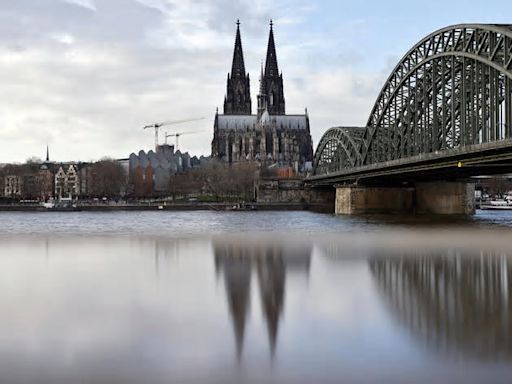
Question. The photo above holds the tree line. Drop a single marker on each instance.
(214, 180)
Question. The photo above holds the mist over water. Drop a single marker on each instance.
(286, 297)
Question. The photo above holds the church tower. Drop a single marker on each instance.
(272, 80)
(238, 95)
(270, 137)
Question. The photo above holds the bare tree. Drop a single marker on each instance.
(185, 185)
(107, 178)
(497, 186)
(225, 181)
(34, 160)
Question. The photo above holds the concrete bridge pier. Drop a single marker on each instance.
(440, 197)
(445, 198)
(360, 200)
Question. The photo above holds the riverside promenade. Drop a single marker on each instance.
(196, 206)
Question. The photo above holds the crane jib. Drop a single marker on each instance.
(158, 125)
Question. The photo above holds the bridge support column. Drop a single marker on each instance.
(440, 198)
(445, 198)
(357, 200)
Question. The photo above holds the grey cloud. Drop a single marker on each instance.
(87, 81)
(30, 22)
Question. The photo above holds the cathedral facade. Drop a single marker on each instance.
(270, 136)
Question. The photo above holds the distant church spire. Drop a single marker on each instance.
(272, 79)
(238, 95)
(262, 96)
(262, 76)
(47, 153)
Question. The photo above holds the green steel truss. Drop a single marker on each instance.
(452, 89)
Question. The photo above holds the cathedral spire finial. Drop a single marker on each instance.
(271, 67)
(238, 67)
(238, 96)
(272, 79)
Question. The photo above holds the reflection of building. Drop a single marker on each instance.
(237, 269)
(461, 304)
(271, 278)
(271, 136)
(237, 261)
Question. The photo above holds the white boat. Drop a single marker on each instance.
(496, 205)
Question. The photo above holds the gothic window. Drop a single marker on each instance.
(272, 98)
(230, 149)
(269, 143)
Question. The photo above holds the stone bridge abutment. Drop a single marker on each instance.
(435, 197)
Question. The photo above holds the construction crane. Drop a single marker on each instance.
(156, 126)
(177, 136)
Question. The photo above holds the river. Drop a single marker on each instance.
(254, 297)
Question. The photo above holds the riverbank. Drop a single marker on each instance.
(173, 207)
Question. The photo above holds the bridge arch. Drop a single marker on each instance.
(452, 89)
(339, 148)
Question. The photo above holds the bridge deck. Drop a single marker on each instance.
(479, 159)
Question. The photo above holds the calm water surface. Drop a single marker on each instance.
(291, 297)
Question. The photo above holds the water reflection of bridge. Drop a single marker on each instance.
(455, 303)
(238, 261)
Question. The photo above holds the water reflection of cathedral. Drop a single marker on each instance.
(237, 262)
(453, 303)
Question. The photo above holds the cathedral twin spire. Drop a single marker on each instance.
(238, 67)
(271, 95)
(238, 96)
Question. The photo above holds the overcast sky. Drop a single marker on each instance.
(84, 76)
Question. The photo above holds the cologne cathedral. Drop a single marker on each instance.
(271, 136)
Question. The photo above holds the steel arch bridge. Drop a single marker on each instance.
(450, 95)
